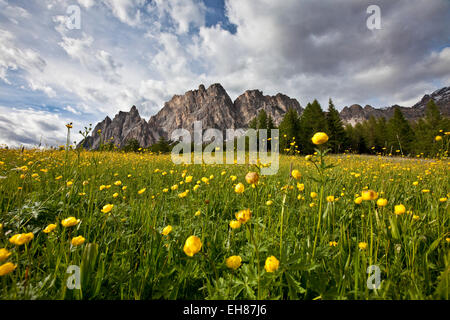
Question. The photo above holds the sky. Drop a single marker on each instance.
(136, 52)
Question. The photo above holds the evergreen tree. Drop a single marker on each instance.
(262, 119)
(400, 136)
(335, 128)
(288, 128)
(312, 120)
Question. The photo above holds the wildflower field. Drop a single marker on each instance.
(140, 227)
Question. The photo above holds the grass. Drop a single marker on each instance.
(323, 248)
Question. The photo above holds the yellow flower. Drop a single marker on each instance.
(115, 195)
(233, 178)
(362, 245)
(196, 187)
(142, 191)
(369, 195)
(69, 183)
(49, 228)
(70, 222)
(243, 215)
(235, 224)
(296, 174)
(174, 187)
(319, 138)
(269, 202)
(22, 238)
(102, 187)
(4, 254)
(330, 198)
(124, 188)
(271, 264)
(167, 230)
(239, 188)
(69, 125)
(78, 241)
(312, 204)
(382, 202)
(7, 268)
(399, 209)
(118, 183)
(85, 183)
(415, 217)
(425, 190)
(192, 245)
(308, 157)
(313, 195)
(189, 179)
(442, 199)
(333, 243)
(438, 138)
(183, 194)
(252, 177)
(300, 186)
(197, 213)
(233, 262)
(415, 183)
(107, 208)
(358, 200)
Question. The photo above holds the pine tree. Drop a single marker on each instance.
(312, 120)
(400, 134)
(262, 119)
(335, 128)
(288, 128)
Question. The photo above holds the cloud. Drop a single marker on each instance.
(139, 52)
(30, 127)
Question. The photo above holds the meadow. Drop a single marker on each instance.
(141, 227)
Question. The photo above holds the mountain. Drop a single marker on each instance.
(356, 113)
(214, 107)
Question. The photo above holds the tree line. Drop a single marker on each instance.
(428, 136)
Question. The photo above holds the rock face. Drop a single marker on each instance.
(355, 113)
(212, 106)
(124, 127)
(251, 102)
(215, 109)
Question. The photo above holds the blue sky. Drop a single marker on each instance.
(136, 52)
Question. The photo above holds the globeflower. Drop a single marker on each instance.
(382, 202)
(78, 241)
(49, 228)
(296, 174)
(235, 224)
(233, 262)
(239, 188)
(399, 209)
(118, 183)
(438, 138)
(167, 230)
(4, 254)
(192, 245)
(243, 215)
(70, 222)
(141, 191)
(107, 208)
(319, 138)
(271, 264)
(369, 195)
(358, 200)
(269, 202)
(252, 177)
(22, 238)
(330, 198)
(313, 195)
(7, 268)
(362, 245)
